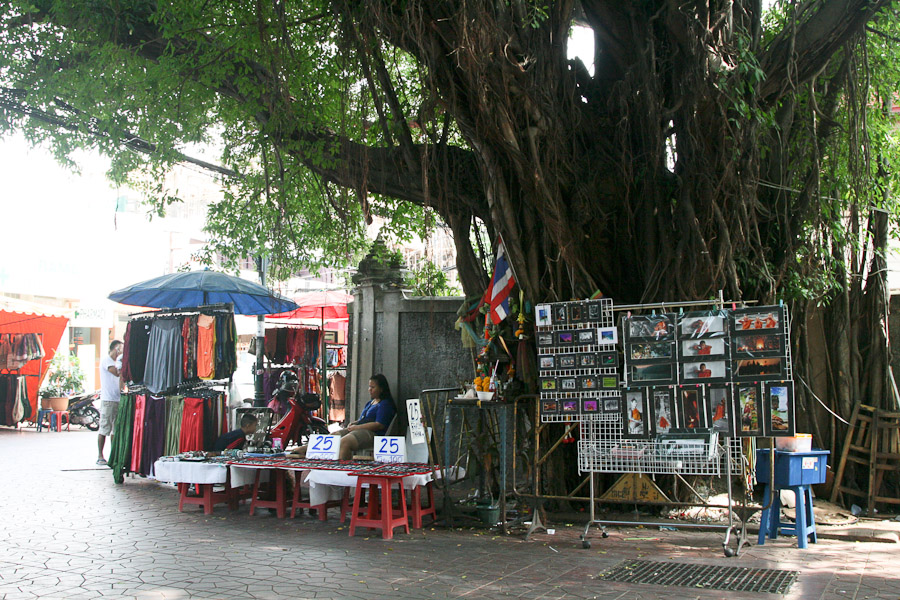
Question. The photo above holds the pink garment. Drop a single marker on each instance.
(137, 436)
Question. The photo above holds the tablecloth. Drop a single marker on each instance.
(174, 471)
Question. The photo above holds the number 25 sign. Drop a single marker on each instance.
(390, 449)
(326, 447)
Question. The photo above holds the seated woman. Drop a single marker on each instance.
(374, 420)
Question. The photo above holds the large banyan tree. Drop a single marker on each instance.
(706, 145)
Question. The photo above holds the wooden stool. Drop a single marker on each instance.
(379, 515)
(418, 512)
(280, 501)
(321, 509)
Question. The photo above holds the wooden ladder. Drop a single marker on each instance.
(873, 441)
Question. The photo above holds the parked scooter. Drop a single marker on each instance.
(299, 423)
(83, 412)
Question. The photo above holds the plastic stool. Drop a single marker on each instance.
(280, 502)
(770, 521)
(58, 415)
(380, 515)
(418, 511)
(43, 412)
(321, 509)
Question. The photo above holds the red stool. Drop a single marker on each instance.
(206, 496)
(379, 515)
(321, 509)
(58, 415)
(418, 512)
(280, 501)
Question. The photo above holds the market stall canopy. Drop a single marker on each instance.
(19, 316)
(199, 288)
(324, 306)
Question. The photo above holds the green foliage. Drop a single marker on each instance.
(230, 76)
(64, 378)
(429, 280)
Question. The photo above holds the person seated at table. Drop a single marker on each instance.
(235, 439)
(374, 420)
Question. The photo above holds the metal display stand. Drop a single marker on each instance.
(604, 448)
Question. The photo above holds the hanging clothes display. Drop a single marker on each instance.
(137, 437)
(14, 405)
(162, 370)
(120, 452)
(154, 436)
(165, 348)
(206, 346)
(174, 411)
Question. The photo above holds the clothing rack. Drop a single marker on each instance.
(219, 307)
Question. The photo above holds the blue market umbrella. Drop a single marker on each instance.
(196, 288)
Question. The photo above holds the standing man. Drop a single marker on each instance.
(110, 386)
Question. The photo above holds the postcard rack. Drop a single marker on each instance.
(665, 392)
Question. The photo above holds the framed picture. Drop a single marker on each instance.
(590, 405)
(576, 312)
(748, 409)
(544, 339)
(720, 409)
(570, 406)
(696, 325)
(691, 409)
(779, 409)
(702, 349)
(587, 360)
(607, 336)
(565, 338)
(548, 384)
(608, 360)
(588, 383)
(542, 315)
(594, 312)
(652, 374)
(759, 369)
(758, 319)
(560, 314)
(662, 410)
(705, 372)
(547, 362)
(609, 382)
(567, 384)
(650, 327)
(611, 405)
(647, 352)
(549, 407)
(634, 415)
(566, 361)
(756, 345)
(586, 337)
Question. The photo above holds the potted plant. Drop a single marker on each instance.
(65, 378)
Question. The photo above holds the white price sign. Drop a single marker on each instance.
(390, 449)
(325, 447)
(416, 430)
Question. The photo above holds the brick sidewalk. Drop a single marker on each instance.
(71, 533)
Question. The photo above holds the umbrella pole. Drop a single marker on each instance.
(324, 355)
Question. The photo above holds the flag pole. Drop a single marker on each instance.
(509, 261)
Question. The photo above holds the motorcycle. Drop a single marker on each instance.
(298, 424)
(83, 412)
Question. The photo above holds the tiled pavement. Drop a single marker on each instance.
(69, 532)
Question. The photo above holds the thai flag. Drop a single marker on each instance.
(502, 283)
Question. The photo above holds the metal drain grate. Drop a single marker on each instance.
(736, 579)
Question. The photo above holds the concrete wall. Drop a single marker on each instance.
(411, 340)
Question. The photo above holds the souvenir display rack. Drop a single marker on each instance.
(577, 359)
(692, 384)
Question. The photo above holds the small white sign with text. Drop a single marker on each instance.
(416, 429)
(325, 447)
(390, 449)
